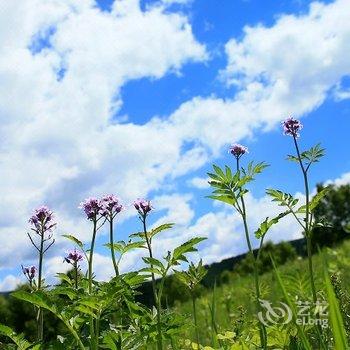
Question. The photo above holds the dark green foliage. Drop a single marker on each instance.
(20, 316)
(174, 291)
(282, 253)
(334, 211)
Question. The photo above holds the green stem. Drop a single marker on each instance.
(155, 297)
(308, 235)
(97, 331)
(111, 241)
(195, 317)
(263, 334)
(40, 316)
(76, 275)
(92, 331)
(307, 221)
(75, 334)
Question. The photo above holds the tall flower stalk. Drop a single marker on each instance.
(30, 273)
(292, 127)
(73, 258)
(303, 214)
(93, 210)
(238, 151)
(143, 208)
(42, 223)
(191, 279)
(230, 187)
(110, 208)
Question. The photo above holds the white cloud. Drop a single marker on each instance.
(344, 179)
(341, 94)
(199, 182)
(60, 144)
(9, 283)
(278, 71)
(281, 65)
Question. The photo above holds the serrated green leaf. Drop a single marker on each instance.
(313, 154)
(214, 176)
(283, 199)
(85, 310)
(267, 224)
(187, 247)
(64, 277)
(37, 298)
(138, 234)
(69, 292)
(160, 228)
(317, 198)
(18, 339)
(153, 262)
(123, 247)
(314, 201)
(219, 172)
(152, 270)
(75, 240)
(292, 158)
(224, 199)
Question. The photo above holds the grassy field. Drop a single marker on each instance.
(228, 310)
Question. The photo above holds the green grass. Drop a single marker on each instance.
(234, 306)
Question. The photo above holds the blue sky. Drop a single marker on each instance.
(139, 98)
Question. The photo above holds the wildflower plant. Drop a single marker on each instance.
(303, 214)
(156, 267)
(191, 279)
(110, 207)
(93, 211)
(230, 187)
(73, 258)
(42, 224)
(30, 273)
(109, 315)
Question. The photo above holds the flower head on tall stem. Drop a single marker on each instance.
(42, 220)
(110, 206)
(143, 206)
(29, 272)
(43, 223)
(292, 127)
(92, 208)
(73, 257)
(238, 150)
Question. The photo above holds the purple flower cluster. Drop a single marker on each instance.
(143, 206)
(29, 272)
(110, 205)
(42, 219)
(92, 208)
(73, 257)
(238, 150)
(292, 127)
